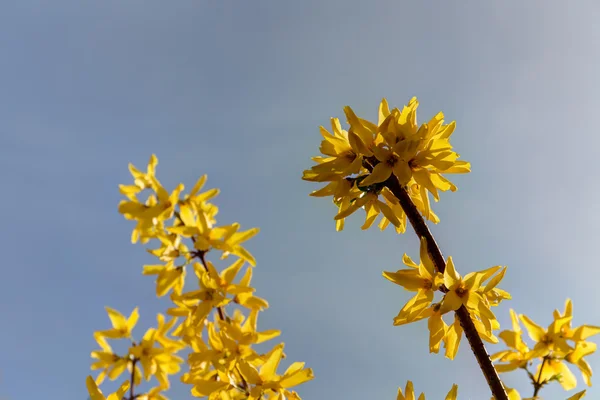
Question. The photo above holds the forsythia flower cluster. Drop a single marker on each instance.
(222, 361)
(554, 348)
(356, 163)
(472, 291)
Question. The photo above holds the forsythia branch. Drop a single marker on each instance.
(222, 363)
(421, 229)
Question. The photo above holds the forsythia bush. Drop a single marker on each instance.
(389, 169)
(222, 363)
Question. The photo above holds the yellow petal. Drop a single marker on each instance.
(450, 275)
(409, 279)
(133, 319)
(389, 214)
(577, 396)
(380, 173)
(452, 393)
(94, 392)
(269, 368)
(297, 378)
(585, 331)
(437, 331)
(384, 111)
(452, 339)
(372, 214)
(402, 171)
(536, 332)
(425, 260)
(117, 319)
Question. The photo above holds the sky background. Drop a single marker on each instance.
(237, 90)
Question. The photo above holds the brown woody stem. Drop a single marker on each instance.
(132, 384)
(537, 383)
(477, 346)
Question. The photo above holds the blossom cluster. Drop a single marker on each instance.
(554, 348)
(358, 161)
(477, 291)
(222, 362)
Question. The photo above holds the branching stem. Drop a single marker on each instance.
(421, 229)
(537, 383)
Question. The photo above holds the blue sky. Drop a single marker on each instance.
(237, 90)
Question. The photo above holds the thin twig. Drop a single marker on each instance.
(132, 384)
(537, 384)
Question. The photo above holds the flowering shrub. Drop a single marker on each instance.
(390, 170)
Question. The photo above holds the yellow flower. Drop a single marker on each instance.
(141, 180)
(196, 309)
(213, 292)
(418, 195)
(582, 347)
(576, 396)
(393, 160)
(161, 334)
(169, 277)
(514, 395)
(157, 208)
(553, 368)
(244, 331)
(199, 200)
(248, 299)
(171, 248)
(425, 281)
(152, 394)
(422, 279)
(362, 133)
(267, 381)
(373, 206)
(547, 340)
(468, 291)
(96, 394)
(121, 327)
(410, 393)
(416, 156)
(452, 338)
(209, 383)
(349, 195)
(221, 282)
(520, 355)
(229, 345)
(415, 153)
(338, 189)
(461, 291)
(112, 365)
(394, 204)
(437, 327)
(198, 226)
(154, 211)
(156, 361)
(343, 159)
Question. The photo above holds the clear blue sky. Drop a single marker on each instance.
(237, 90)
